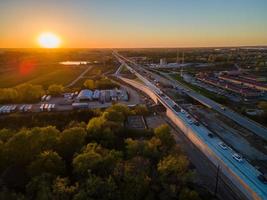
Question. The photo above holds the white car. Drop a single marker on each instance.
(222, 145)
(182, 111)
(237, 157)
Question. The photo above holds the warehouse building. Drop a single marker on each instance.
(85, 95)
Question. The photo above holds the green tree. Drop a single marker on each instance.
(8, 95)
(6, 134)
(141, 110)
(102, 131)
(187, 194)
(63, 190)
(40, 188)
(31, 143)
(55, 89)
(96, 159)
(89, 84)
(120, 108)
(164, 134)
(98, 188)
(71, 141)
(47, 162)
(173, 166)
(263, 105)
(10, 195)
(133, 178)
(114, 116)
(29, 92)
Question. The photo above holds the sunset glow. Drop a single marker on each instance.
(49, 40)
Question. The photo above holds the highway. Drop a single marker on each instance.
(243, 174)
(252, 126)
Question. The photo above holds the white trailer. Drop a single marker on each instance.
(21, 108)
(13, 108)
(48, 98)
(45, 106)
(43, 98)
(42, 107)
(28, 108)
(49, 108)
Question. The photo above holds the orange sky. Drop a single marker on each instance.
(111, 24)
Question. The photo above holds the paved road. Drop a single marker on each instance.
(79, 77)
(205, 169)
(239, 119)
(117, 73)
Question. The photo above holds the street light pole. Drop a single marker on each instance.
(217, 180)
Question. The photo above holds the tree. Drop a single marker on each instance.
(133, 178)
(105, 83)
(63, 190)
(263, 105)
(40, 188)
(134, 147)
(55, 89)
(89, 84)
(10, 195)
(31, 143)
(141, 110)
(172, 171)
(98, 188)
(164, 134)
(102, 131)
(96, 159)
(114, 116)
(47, 162)
(29, 92)
(121, 108)
(173, 166)
(71, 141)
(187, 194)
(8, 95)
(6, 134)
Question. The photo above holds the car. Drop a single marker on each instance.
(196, 123)
(237, 157)
(210, 135)
(222, 145)
(263, 178)
(223, 108)
(188, 116)
(190, 121)
(182, 111)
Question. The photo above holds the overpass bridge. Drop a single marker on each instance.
(242, 174)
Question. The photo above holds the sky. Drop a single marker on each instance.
(134, 23)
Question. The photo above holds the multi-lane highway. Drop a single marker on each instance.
(252, 126)
(243, 174)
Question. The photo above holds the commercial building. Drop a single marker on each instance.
(262, 86)
(96, 95)
(236, 88)
(85, 95)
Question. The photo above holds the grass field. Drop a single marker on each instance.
(44, 75)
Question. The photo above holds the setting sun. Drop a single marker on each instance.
(49, 40)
